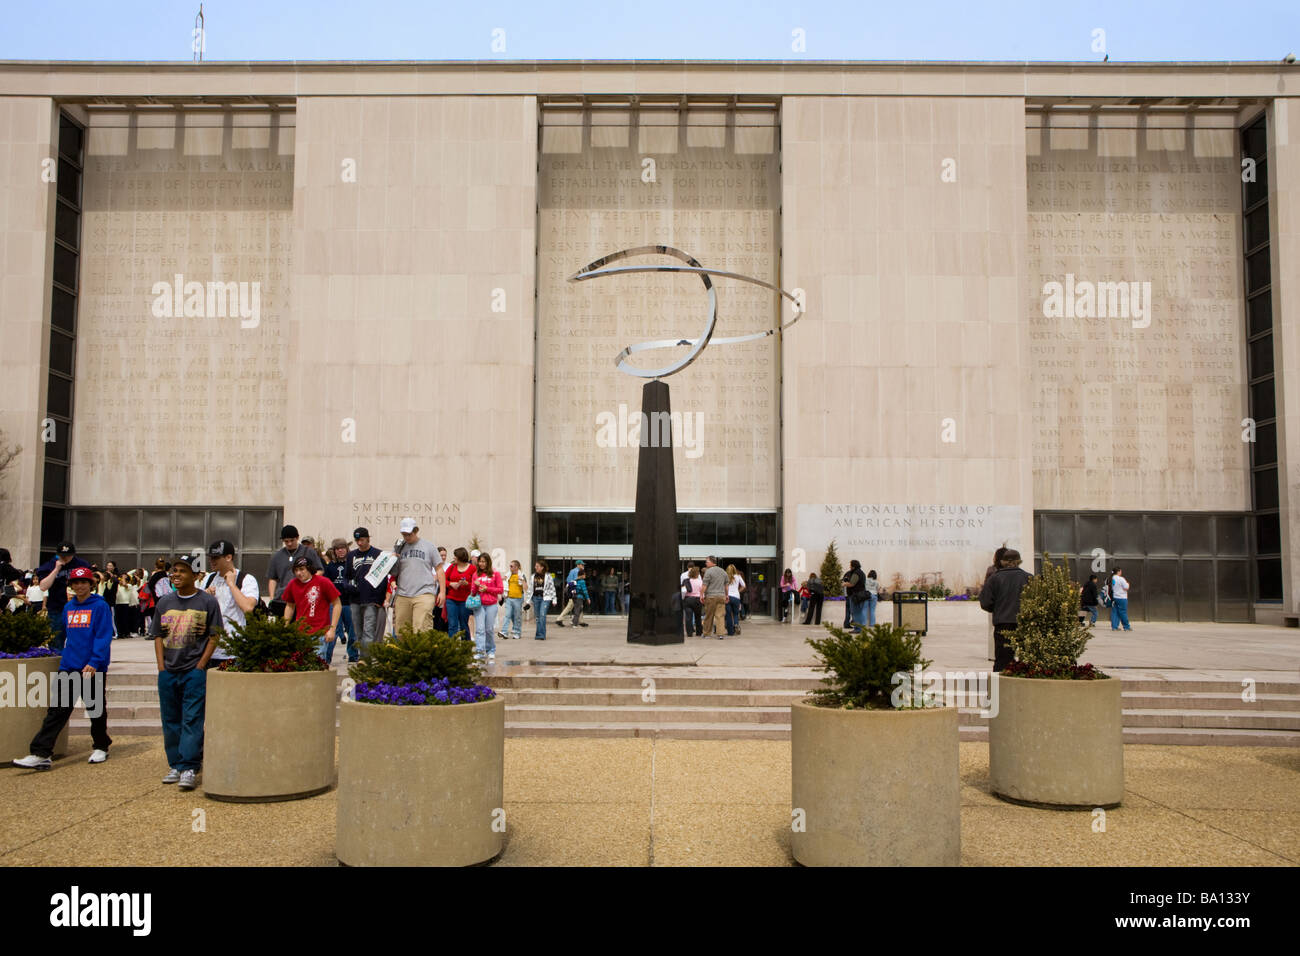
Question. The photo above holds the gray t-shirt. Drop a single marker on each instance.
(281, 568)
(415, 568)
(715, 579)
(185, 624)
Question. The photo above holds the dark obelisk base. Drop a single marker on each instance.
(655, 611)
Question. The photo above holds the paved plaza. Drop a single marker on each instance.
(643, 801)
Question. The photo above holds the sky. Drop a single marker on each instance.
(1153, 30)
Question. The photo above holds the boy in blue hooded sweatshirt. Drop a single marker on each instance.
(88, 620)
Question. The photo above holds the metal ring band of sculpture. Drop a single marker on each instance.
(599, 268)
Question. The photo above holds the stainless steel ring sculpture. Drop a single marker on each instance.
(597, 269)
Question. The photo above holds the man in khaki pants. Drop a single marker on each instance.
(715, 599)
(417, 586)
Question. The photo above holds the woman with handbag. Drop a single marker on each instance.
(485, 590)
(692, 604)
(459, 576)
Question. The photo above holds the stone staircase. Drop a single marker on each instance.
(716, 703)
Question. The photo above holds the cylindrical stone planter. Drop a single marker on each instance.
(269, 737)
(421, 786)
(18, 722)
(875, 787)
(1058, 743)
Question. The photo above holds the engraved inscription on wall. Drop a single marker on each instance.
(1135, 319)
(186, 254)
(714, 194)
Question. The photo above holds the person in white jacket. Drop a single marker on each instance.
(543, 596)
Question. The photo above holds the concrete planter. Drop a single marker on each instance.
(18, 725)
(1058, 743)
(269, 736)
(420, 786)
(876, 787)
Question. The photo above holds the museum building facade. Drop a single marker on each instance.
(1050, 305)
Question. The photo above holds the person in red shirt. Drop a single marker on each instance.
(315, 602)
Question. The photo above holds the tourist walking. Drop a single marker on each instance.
(53, 578)
(186, 627)
(487, 586)
(543, 597)
(417, 580)
(735, 587)
(1088, 599)
(236, 591)
(512, 614)
(580, 597)
(458, 578)
(336, 570)
(816, 594)
(693, 602)
(569, 580)
(368, 599)
(1001, 596)
(88, 626)
(714, 596)
(998, 555)
(313, 601)
(1119, 588)
(280, 571)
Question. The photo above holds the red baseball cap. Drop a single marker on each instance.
(81, 574)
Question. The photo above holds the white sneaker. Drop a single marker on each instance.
(173, 775)
(492, 656)
(189, 780)
(33, 762)
(98, 756)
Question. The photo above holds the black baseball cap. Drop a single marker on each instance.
(302, 562)
(220, 548)
(66, 547)
(288, 531)
(191, 561)
(360, 533)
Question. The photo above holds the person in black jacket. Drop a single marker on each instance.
(1001, 596)
(338, 570)
(1088, 599)
(815, 595)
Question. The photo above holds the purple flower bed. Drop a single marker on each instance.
(424, 692)
(34, 652)
(957, 597)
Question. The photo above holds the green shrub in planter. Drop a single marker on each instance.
(271, 644)
(1050, 637)
(416, 656)
(24, 635)
(862, 666)
(831, 572)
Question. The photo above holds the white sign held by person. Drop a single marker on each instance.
(380, 569)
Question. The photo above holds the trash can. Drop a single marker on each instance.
(911, 612)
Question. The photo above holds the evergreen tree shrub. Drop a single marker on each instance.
(1050, 637)
(861, 667)
(23, 634)
(418, 656)
(271, 644)
(831, 572)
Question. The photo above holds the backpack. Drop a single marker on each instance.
(162, 587)
(1103, 595)
(259, 609)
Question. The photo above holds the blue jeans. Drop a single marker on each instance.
(1119, 614)
(733, 615)
(609, 602)
(485, 629)
(457, 618)
(513, 616)
(325, 649)
(368, 625)
(871, 609)
(1091, 611)
(858, 612)
(181, 700)
(540, 608)
(58, 623)
(348, 631)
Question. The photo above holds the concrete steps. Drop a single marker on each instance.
(715, 703)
